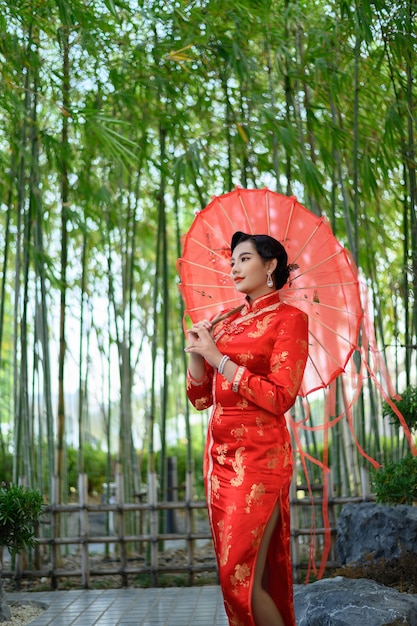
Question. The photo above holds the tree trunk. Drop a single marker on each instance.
(411, 167)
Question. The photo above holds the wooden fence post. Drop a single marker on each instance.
(120, 498)
(55, 556)
(153, 525)
(189, 524)
(83, 502)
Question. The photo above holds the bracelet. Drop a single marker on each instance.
(222, 363)
(237, 378)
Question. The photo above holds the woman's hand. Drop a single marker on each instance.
(200, 342)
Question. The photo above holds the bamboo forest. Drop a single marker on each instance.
(120, 121)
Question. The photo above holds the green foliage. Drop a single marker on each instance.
(407, 405)
(180, 452)
(20, 509)
(6, 465)
(396, 483)
(95, 464)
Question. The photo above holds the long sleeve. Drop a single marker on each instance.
(200, 392)
(275, 388)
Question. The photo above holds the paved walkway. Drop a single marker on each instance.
(179, 606)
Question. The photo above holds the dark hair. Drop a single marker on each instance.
(268, 248)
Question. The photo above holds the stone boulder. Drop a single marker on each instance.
(352, 602)
(375, 529)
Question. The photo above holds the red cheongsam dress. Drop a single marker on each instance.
(248, 459)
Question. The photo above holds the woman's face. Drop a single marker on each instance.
(250, 271)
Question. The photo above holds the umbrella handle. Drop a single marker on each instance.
(224, 316)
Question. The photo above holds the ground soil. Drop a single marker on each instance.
(23, 614)
(399, 573)
(170, 559)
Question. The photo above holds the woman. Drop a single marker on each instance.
(249, 367)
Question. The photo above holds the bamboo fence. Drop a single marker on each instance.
(144, 553)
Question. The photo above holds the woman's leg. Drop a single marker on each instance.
(264, 608)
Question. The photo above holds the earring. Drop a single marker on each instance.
(269, 281)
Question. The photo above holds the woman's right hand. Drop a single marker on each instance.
(200, 341)
(195, 347)
(195, 332)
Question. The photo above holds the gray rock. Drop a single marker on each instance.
(377, 529)
(4, 607)
(352, 602)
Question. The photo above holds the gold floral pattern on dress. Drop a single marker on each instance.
(226, 384)
(231, 508)
(244, 386)
(202, 403)
(287, 454)
(217, 413)
(257, 534)
(244, 358)
(279, 456)
(303, 345)
(272, 457)
(235, 329)
(271, 398)
(278, 360)
(255, 496)
(215, 487)
(239, 467)
(262, 326)
(228, 333)
(239, 433)
(263, 424)
(233, 618)
(241, 577)
(225, 537)
(295, 376)
(242, 404)
(221, 453)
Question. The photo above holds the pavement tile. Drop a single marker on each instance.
(179, 606)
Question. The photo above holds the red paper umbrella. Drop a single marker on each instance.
(324, 285)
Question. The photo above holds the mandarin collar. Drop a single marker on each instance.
(261, 302)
